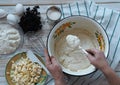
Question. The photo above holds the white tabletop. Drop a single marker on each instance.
(9, 4)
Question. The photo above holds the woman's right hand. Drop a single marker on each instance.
(97, 58)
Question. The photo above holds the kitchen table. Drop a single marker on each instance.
(9, 5)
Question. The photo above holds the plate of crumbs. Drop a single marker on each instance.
(20, 70)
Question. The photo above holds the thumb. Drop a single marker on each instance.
(47, 57)
(54, 60)
(91, 51)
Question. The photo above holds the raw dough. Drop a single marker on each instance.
(74, 59)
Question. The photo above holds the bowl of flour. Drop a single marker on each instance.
(11, 38)
(69, 39)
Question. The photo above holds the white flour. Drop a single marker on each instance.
(54, 14)
(9, 39)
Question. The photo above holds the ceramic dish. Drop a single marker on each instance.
(68, 26)
(43, 76)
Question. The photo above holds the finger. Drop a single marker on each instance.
(45, 52)
(47, 57)
(53, 59)
(92, 51)
(90, 57)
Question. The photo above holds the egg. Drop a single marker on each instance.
(13, 19)
(3, 13)
(19, 9)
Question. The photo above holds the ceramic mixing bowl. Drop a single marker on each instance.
(80, 23)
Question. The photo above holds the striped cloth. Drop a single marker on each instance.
(110, 20)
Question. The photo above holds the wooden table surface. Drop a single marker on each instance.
(9, 4)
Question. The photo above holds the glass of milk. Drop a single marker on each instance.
(53, 14)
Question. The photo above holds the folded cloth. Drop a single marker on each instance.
(110, 20)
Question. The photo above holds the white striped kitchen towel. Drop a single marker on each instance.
(110, 20)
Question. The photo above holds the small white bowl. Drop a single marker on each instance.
(53, 14)
(80, 22)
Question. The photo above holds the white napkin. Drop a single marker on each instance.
(110, 20)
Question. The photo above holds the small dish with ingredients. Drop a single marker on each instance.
(20, 70)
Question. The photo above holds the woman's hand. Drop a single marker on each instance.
(54, 68)
(97, 58)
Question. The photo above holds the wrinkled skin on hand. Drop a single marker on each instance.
(97, 58)
(53, 66)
